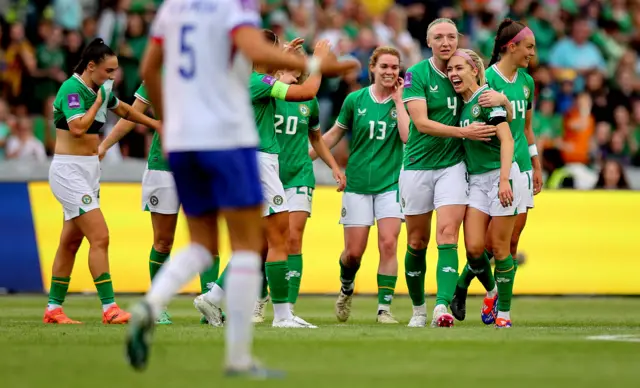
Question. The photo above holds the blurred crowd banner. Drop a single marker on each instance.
(576, 242)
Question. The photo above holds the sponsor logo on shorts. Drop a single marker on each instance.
(154, 200)
(404, 203)
(73, 100)
(278, 200)
(344, 212)
(475, 111)
(86, 199)
(304, 110)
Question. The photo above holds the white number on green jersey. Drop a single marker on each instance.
(519, 106)
(464, 123)
(382, 128)
(452, 103)
(291, 127)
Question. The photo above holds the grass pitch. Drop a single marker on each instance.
(548, 346)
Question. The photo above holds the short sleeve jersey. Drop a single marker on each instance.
(376, 149)
(425, 82)
(519, 91)
(156, 160)
(293, 121)
(480, 156)
(265, 89)
(74, 99)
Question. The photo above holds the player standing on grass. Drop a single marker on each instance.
(494, 191)
(379, 125)
(159, 197)
(211, 142)
(434, 175)
(80, 111)
(265, 90)
(513, 49)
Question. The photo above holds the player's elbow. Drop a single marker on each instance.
(76, 130)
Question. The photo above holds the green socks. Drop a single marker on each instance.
(386, 288)
(105, 288)
(505, 275)
(58, 290)
(447, 275)
(415, 266)
(220, 280)
(156, 260)
(264, 292)
(294, 262)
(210, 276)
(477, 267)
(348, 278)
(276, 272)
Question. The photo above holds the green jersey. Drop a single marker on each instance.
(264, 90)
(375, 149)
(519, 91)
(156, 160)
(293, 121)
(481, 156)
(425, 82)
(74, 99)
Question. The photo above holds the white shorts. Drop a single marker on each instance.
(159, 194)
(422, 191)
(275, 199)
(299, 199)
(363, 209)
(527, 192)
(483, 193)
(75, 182)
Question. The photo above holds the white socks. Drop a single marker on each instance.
(174, 274)
(282, 311)
(493, 292)
(215, 295)
(242, 287)
(504, 314)
(420, 310)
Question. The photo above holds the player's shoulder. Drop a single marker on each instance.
(420, 70)
(522, 72)
(357, 95)
(260, 78)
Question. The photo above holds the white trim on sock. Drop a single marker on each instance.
(53, 306)
(420, 310)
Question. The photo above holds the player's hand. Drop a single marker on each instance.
(537, 181)
(102, 151)
(291, 47)
(505, 194)
(491, 98)
(333, 67)
(340, 178)
(157, 126)
(322, 49)
(397, 90)
(478, 131)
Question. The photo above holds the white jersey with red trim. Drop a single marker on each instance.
(205, 81)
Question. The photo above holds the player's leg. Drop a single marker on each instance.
(451, 198)
(476, 222)
(70, 240)
(388, 213)
(164, 229)
(299, 199)
(357, 218)
(416, 192)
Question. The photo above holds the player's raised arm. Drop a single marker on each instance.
(310, 87)
(121, 129)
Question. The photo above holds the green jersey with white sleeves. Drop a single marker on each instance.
(481, 156)
(75, 98)
(376, 149)
(293, 121)
(264, 90)
(519, 91)
(423, 81)
(156, 160)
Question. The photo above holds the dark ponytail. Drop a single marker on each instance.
(96, 52)
(271, 37)
(507, 30)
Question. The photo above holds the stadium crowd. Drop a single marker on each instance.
(586, 71)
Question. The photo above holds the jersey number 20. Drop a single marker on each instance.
(292, 124)
(188, 70)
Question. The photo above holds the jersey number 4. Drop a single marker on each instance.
(188, 69)
(292, 124)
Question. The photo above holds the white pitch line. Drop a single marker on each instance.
(616, 338)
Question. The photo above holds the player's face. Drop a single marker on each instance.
(461, 74)
(387, 70)
(443, 40)
(524, 51)
(103, 71)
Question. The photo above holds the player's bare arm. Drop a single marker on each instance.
(492, 98)
(127, 112)
(323, 152)
(310, 87)
(419, 115)
(151, 73)
(507, 146)
(331, 138)
(403, 115)
(81, 125)
(121, 129)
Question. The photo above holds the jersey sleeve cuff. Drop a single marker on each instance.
(405, 100)
(341, 125)
(116, 105)
(79, 115)
(139, 97)
(315, 128)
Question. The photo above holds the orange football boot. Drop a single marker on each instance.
(58, 316)
(115, 316)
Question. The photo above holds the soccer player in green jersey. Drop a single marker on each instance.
(80, 111)
(494, 191)
(379, 125)
(513, 49)
(159, 198)
(434, 175)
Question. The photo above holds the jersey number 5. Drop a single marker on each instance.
(292, 124)
(382, 128)
(186, 50)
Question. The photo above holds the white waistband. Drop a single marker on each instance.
(76, 158)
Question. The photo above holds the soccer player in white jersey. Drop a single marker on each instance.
(211, 143)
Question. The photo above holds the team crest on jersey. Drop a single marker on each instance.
(277, 200)
(394, 113)
(86, 199)
(526, 92)
(475, 111)
(304, 110)
(154, 200)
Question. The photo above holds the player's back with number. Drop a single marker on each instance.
(206, 104)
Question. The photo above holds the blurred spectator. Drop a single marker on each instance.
(50, 66)
(73, 51)
(612, 177)
(599, 92)
(113, 23)
(579, 127)
(21, 63)
(22, 145)
(547, 124)
(301, 25)
(366, 43)
(545, 27)
(68, 14)
(4, 127)
(131, 52)
(392, 31)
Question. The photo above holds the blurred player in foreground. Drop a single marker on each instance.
(211, 142)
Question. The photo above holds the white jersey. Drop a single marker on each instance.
(205, 82)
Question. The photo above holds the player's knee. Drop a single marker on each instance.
(388, 247)
(352, 256)
(99, 240)
(163, 242)
(447, 234)
(295, 244)
(417, 240)
(475, 248)
(71, 245)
